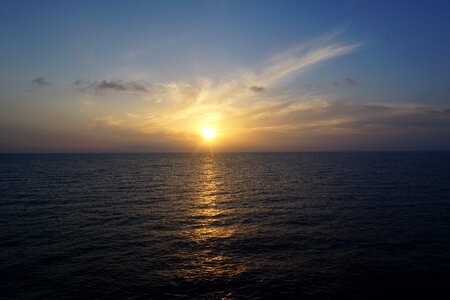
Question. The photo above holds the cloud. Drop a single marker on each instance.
(295, 60)
(238, 103)
(40, 82)
(305, 123)
(119, 85)
(256, 88)
(110, 85)
(349, 82)
(281, 119)
(139, 87)
(316, 86)
(100, 87)
(255, 109)
(108, 121)
(332, 116)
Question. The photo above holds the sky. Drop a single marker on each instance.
(151, 76)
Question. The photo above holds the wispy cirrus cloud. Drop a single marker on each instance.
(183, 106)
(296, 60)
(252, 109)
(253, 104)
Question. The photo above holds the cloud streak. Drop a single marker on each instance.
(295, 60)
(251, 109)
(347, 82)
(256, 88)
(103, 86)
(40, 82)
(254, 111)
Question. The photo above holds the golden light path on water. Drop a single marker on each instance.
(211, 229)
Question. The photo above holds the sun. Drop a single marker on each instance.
(208, 133)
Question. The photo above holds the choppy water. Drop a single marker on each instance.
(309, 225)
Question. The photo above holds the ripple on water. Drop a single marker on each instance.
(316, 225)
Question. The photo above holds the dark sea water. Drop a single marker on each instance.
(299, 225)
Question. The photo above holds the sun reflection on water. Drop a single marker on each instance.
(211, 229)
(208, 210)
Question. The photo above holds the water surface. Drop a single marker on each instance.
(139, 226)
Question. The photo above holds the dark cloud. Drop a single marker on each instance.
(40, 82)
(350, 82)
(347, 82)
(139, 88)
(257, 88)
(347, 118)
(110, 85)
(313, 86)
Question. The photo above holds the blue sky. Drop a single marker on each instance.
(400, 58)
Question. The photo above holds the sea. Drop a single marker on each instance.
(337, 225)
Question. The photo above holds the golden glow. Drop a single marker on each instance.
(209, 212)
(208, 133)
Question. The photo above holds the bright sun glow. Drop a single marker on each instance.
(208, 133)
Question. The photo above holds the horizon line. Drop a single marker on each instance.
(227, 152)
